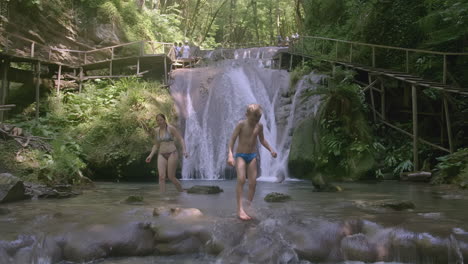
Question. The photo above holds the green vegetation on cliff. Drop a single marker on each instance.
(108, 126)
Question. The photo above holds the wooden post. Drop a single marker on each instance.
(59, 78)
(85, 57)
(110, 68)
(407, 61)
(50, 54)
(4, 89)
(80, 80)
(444, 74)
(165, 69)
(371, 93)
(449, 125)
(32, 49)
(373, 56)
(415, 127)
(38, 83)
(336, 51)
(112, 60)
(290, 62)
(382, 99)
(280, 61)
(303, 48)
(351, 52)
(138, 66)
(142, 48)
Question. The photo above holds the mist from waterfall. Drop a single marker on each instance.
(211, 100)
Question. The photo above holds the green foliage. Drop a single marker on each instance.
(63, 164)
(297, 74)
(345, 148)
(108, 125)
(452, 168)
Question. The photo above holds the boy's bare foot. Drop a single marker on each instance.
(243, 215)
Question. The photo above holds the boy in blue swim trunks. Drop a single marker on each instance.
(245, 161)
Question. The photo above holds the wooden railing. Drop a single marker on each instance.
(344, 50)
(75, 58)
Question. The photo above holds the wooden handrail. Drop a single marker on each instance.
(388, 47)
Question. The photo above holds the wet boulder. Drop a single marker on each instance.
(397, 205)
(320, 185)
(177, 213)
(11, 188)
(101, 241)
(176, 238)
(276, 197)
(4, 211)
(357, 247)
(134, 199)
(261, 244)
(204, 189)
(43, 191)
(4, 257)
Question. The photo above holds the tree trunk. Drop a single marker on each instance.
(254, 8)
(211, 22)
(193, 20)
(299, 18)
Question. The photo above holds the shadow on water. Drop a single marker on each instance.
(312, 227)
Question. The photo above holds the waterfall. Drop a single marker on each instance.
(211, 100)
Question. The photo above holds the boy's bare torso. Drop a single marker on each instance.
(248, 137)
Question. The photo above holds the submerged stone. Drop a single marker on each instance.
(276, 197)
(134, 199)
(398, 205)
(204, 189)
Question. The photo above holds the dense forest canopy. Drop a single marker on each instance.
(430, 24)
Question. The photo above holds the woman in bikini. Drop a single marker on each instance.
(168, 156)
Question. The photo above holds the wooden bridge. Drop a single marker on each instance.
(343, 53)
(118, 61)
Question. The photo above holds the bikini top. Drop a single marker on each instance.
(166, 138)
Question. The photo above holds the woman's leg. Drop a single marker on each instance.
(171, 170)
(162, 165)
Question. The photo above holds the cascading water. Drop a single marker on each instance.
(211, 100)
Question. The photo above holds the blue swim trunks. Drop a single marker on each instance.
(248, 157)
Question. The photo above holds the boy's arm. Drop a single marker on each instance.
(263, 141)
(234, 136)
(180, 139)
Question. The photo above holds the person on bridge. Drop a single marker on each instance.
(247, 131)
(179, 50)
(186, 51)
(167, 156)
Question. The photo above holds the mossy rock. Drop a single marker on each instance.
(202, 189)
(301, 156)
(398, 205)
(134, 199)
(275, 197)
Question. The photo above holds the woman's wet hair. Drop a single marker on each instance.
(161, 115)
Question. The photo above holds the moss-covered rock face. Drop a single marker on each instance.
(301, 161)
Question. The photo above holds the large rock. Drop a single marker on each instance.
(42, 191)
(201, 189)
(101, 241)
(11, 188)
(301, 161)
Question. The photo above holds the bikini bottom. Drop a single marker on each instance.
(166, 155)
